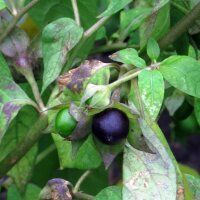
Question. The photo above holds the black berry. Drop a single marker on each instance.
(110, 126)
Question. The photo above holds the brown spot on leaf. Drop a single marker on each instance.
(180, 193)
(75, 78)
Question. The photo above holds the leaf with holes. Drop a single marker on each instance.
(58, 38)
(148, 176)
(151, 85)
(182, 72)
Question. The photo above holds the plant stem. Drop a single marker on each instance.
(80, 180)
(125, 78)
(179, 28)
(31, 80)
(24, 146)
(86, 35)
(17, 17)
(179, 7)
(81, 195)
(96, 26)
(76, 12)
(46, 152)
(112, 47)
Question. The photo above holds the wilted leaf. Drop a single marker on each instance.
(56, 189)
(128, 56)
(148, 176)
(114, 6)
(16, 43)
(58, 38)
(110, 193)
(182, 72)
(76, 79)
(151, 85)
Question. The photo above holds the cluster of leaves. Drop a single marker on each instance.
(136, 81)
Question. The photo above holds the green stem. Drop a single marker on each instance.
(115, 84)
(17, 17)
(76, 12)
(80, 180)
(44, 154)
(32, 82)
(179, 7)
(86, 35)
(24, 146)
(181, 27)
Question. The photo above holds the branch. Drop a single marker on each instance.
(32, 82)
(24, 146)
(181, 27)
(76, 13)
(96, 26)
(80, 180)
(86, 35)
(19, 15)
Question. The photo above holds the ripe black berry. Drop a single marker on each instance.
(110, 126)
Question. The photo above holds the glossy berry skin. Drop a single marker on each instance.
(64, 122)
(110, 126)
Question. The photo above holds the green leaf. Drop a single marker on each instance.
(151, 85)
(128, 56)
(110, 193)
(58, 38)
(114, 6)
(197, 109)
(32, 192)
(153, 50)
(12, 99)
(131, 19)
(18, 129)
(194, 185)
(5, 71)
(87, 156)
(2, 4)
(157, 24)
(174, 102)
(13, 193)
(182, 72)
(148, 176)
